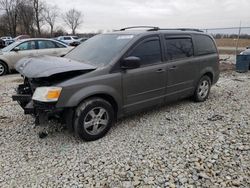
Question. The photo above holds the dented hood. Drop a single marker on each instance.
(46, 66)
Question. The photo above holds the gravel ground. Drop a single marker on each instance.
(184, 144)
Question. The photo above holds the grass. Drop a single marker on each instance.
(243, 43)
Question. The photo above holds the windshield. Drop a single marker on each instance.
(100, 50)
(10, 47)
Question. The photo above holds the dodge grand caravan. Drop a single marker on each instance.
(116, 74)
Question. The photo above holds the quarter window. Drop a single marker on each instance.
(205, 45)
(149, 52)
(59, 45)
(178, 48)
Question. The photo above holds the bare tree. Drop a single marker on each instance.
(50, 16)
(73, 19)
(10, 8)
(26, 18)
(38, 6)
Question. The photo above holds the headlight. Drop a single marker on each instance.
(47, 94)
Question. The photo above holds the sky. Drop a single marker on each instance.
(114, 14)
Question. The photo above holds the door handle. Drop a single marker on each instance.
(173, 67)
(160, 70)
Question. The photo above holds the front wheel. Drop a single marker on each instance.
(93, 119)
(3, 69)
(203, 89)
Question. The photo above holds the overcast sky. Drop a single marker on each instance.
(114, 14)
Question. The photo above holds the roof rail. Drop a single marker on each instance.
(151, 28)
(182, 29)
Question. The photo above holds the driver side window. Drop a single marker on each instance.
(30, 45)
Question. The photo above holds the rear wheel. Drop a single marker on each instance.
(3, 68)
(93, 119)
(203, 89)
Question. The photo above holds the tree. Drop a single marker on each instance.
(73, 19)
(10, 8)
(26, 18)
(50, 16)
(38, 7)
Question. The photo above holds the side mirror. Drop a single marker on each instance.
(16, 49)
(131, 62)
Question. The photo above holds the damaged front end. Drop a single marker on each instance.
(42, 110)
(39, 93)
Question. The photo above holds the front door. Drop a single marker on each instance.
(26, 49)
(145, 86)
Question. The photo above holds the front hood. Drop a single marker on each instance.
(46, 66)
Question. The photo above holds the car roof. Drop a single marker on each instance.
(30, 39)
(156, 30)
(69, 36)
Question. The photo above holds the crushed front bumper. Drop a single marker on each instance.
(41, 111)
(25, 101)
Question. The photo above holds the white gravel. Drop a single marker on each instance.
(184, 144)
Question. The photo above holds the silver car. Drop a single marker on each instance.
(30, 48)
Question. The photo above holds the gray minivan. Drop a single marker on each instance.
(115, 74)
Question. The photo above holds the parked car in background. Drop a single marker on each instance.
(115, 74)
(28, 48)
(75, 43)
(81, 40)
(68, 39)
(245, 52)
(20, 37)
(2, 43)
(7, 40)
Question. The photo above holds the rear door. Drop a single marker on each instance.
(145, 86)
(181, 66)
(47, 47)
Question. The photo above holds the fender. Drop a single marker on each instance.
(205, 71)
(86, 92)
(6, 62)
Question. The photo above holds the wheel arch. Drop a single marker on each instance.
(105, 92)
(106, 97)
(210, 75)
(207, 72)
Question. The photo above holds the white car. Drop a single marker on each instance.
(30, 48)
(7, 40)
(68, 39)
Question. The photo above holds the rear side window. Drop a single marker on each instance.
(149, 52)
(59, 45)
(204, 44)
(46, 44)
(178, 48)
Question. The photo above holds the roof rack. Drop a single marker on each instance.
(152, 28)
(182, 29)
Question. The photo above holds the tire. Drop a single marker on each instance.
(3, 68)
(93, 119)
(202, 89)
